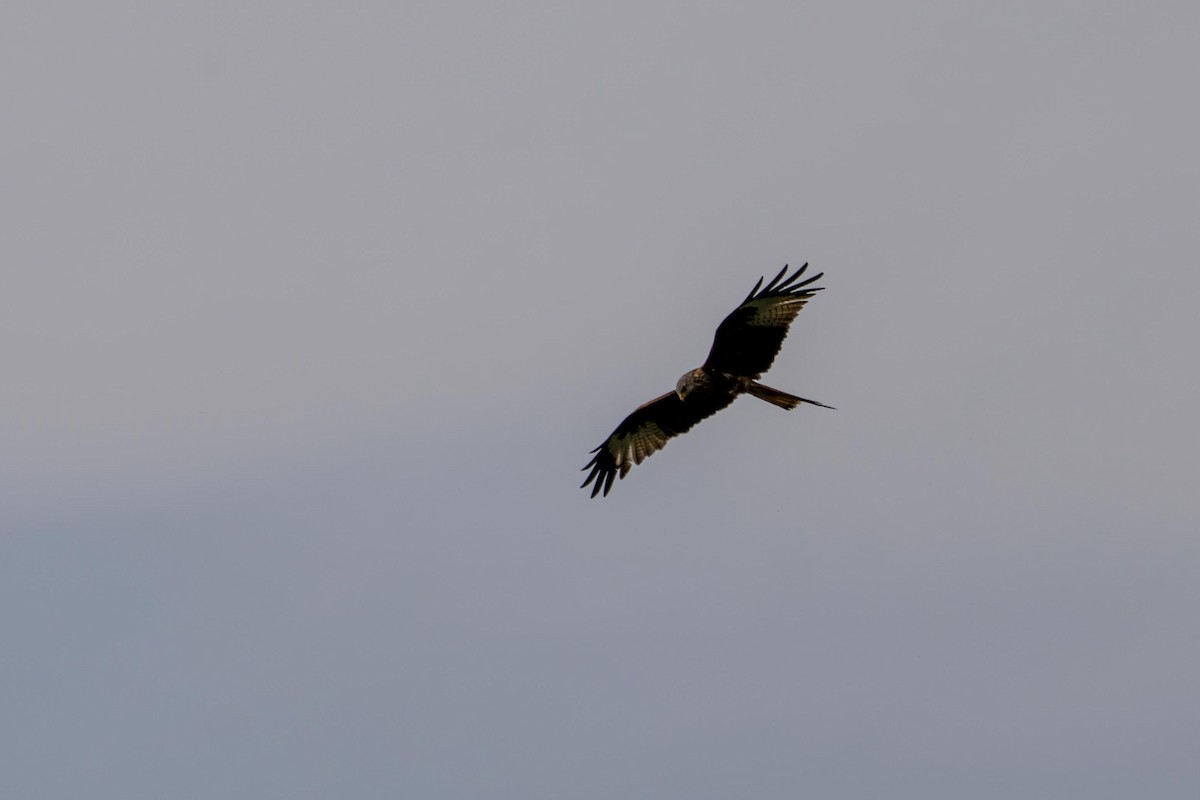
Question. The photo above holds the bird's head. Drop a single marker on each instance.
(687, 383)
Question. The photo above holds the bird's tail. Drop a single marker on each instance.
(778, 398)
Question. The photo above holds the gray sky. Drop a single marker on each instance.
(311, 313)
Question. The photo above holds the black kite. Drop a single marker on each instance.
(744, 347)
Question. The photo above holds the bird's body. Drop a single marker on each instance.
(746, 343)
(706, 381)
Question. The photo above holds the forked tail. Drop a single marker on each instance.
(778, 398)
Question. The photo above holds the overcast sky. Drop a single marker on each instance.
(311, 313)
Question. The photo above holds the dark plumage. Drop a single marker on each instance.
(745, 344)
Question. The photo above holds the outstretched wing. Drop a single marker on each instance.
(748, 340)
(645, 432)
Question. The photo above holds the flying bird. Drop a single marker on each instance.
(746, 343)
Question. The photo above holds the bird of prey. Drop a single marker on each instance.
(744, 347)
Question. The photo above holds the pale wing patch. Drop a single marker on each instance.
(647, 440)
(634, 448)
(775, 312)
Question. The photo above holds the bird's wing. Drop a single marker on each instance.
(748, 340)
(645, 432)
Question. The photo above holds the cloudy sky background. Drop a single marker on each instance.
(311, 313)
